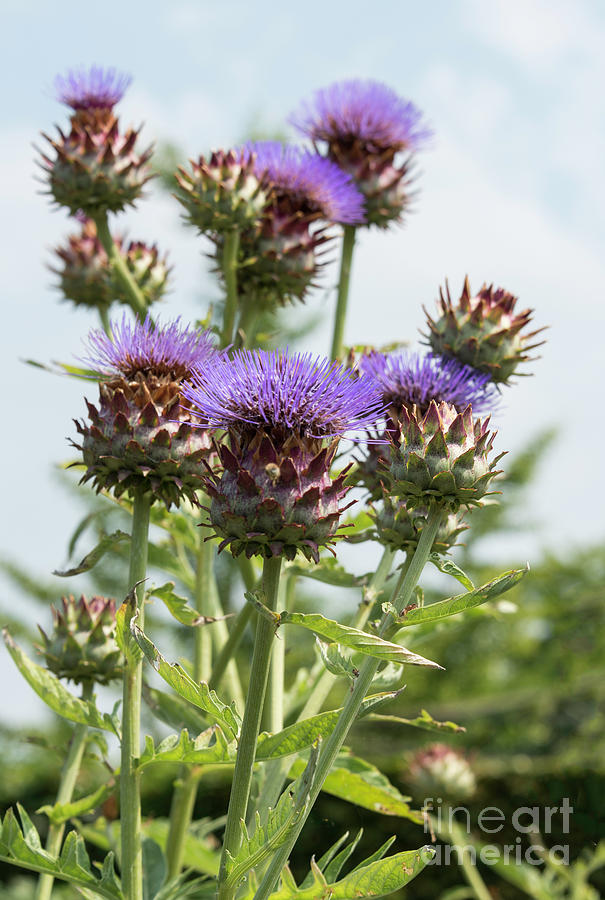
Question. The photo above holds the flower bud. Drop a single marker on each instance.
(440, 771)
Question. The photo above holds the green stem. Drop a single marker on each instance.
(69, 776)
(135, 296)
(130, 795)
(229, 265)
(242, 776)
(273, 713)
(277, 770)
(457, 839)
(246, 327)
(105, 322)
(400, 597)
(220, 636)
(185, 792)
(348, 244)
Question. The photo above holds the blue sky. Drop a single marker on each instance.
(509, 192)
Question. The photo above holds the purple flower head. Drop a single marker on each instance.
(362, 111)
(133, 347)
(309, 182)
(283, 394)
(93, 88)
(412, 379)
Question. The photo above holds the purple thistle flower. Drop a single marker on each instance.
(299, 394)
(412, 379)
(144, 347)
(362, 111)
(93, 88)
(309, 182)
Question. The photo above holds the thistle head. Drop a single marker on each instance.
(400, 527)
(443, 457)
(82, 645)
(441, 771)
(94, 88)
(370, 132)
(483, 331)
(285, 415)
(222, 192)
(143, 436)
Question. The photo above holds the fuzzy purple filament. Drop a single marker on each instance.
(315, 184)
(93, 88)
(362, 110)
(144, 347)
(412, 378)
(311, 396)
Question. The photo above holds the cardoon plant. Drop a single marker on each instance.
(371, 133)
(191, 430)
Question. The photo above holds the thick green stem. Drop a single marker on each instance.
(105, 322)
(69, 776)
(229, 265)
(450, 831)
(400, 597)
(246, 327)
(277, 770)
(185, 792)
(135, 296)
(242, 776)
(348, 245)
(130, 796)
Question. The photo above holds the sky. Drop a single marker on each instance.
(510, 192)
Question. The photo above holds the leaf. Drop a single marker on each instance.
(329, 571)
(291, 807)
(448, 567)
(370, 644)
(372, 878)
(335, 661)
(198, 694)
(59, 368)
(179, 608)
(424, 720)
(21, 846)
(48, 687)
(185, 749)
(454, 605)
(154, 868)
(62, 812)
(124, 617)
(108, 542)
(359, 782)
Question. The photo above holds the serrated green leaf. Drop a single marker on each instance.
(378, 878)
(197, 693)
(63, 812)
(424, 720)
(208, 748)
(289, 810)
(335, 660)
(21, 846)
(48, 687)
(359, 782)
(454, 605)
(335, 867)
(329, 571)
(370, 644)
(448, 567)
(124, 616)
(179, 607)
(108, 542)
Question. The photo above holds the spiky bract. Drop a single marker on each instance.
(144, 437)
(96, 168)
(482, 331)
(222, 192)
(400, 528)
(441, 457)
(365, 126)
(93, 88)
(82, 645)
(284, 415)
(87, 278)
